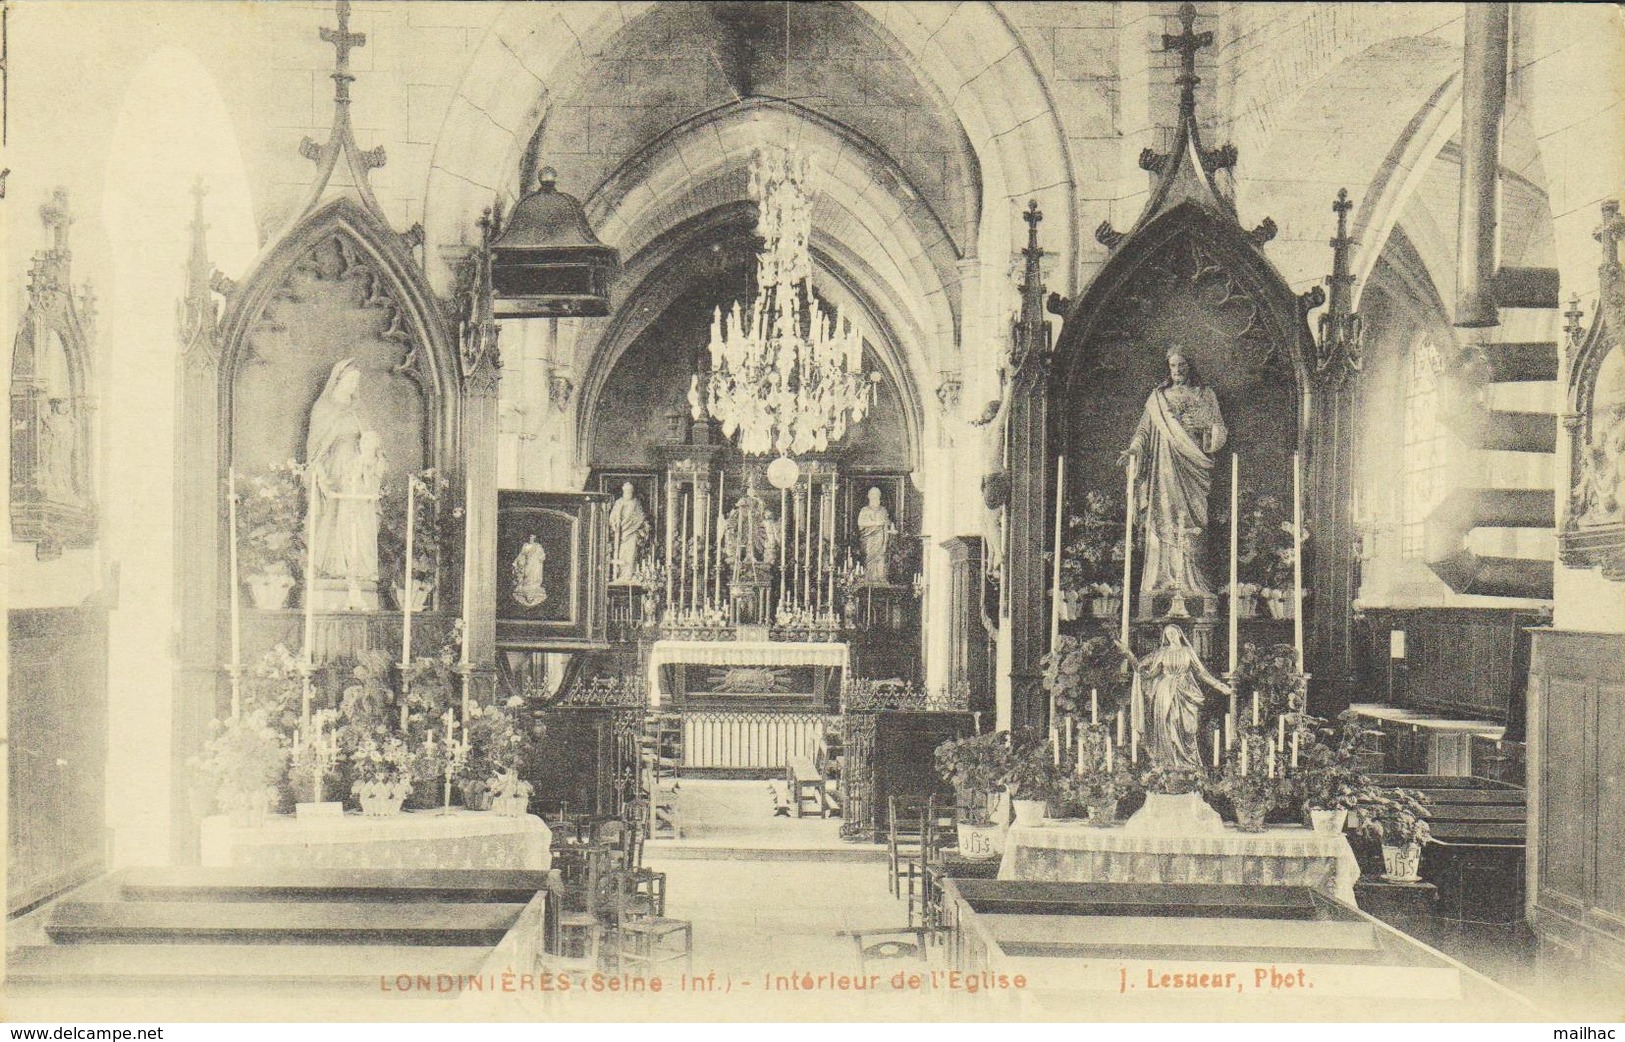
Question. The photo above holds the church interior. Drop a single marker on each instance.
(529, 510)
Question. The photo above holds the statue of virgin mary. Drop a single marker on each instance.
(344, 468)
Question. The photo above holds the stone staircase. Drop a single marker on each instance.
(229, 936)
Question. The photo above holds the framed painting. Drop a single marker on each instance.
(552, 583)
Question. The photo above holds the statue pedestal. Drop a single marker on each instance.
(1185, 814)
(335, 595)
(748, 602)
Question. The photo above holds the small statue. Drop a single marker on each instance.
(750, 536)
(875, 532)
(528, 590)
(629, 527)
(346, 470)
(1167, 698)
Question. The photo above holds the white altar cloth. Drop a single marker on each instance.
(742, 653)
(413, 839)
(1282, 855)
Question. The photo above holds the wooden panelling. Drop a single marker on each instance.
(1577, 691)
(58, 750)
(1459, 662)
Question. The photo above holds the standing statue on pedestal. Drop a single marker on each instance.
(875, 532)
(750, 536)
(529, 568)
(1166, 700)
(1172, 450)
(628, 529)
(345, 469)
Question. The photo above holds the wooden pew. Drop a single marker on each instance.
(1477, 857)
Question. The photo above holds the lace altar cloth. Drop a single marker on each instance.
(760, 653)
(412, 839)
(1283, 855)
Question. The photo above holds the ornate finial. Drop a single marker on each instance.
(343, 41)
(1610, 232)
(1033, 215)
(1187, 43)
(1574, 327)
(1340, 327)
(56, 216)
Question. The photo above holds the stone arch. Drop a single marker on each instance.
(973, 58)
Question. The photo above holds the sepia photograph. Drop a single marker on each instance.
(868, 511)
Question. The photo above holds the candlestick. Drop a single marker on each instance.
(1255, 708)
(1055, 745)
(1119, 727)
(1094, 705)
(1134, 748)
(722, 484)
(1055, 565)
(1271, 762)
(1069, 722)
(1128, 545)
(1077, 766)
(304, 694)
(1294, 749)
(1108, 759)
(316, 763)
(406, 570)
(1235, 527)
(1297, 557)
(236, 600)
(1280, 732)
(1230, 730)
(834, 533)
(784, 531)
(310, 576)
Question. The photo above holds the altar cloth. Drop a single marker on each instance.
(1283, 855)
(413, 839)
(742, 653)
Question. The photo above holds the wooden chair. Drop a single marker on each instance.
(905, 838)
(578, 925)
(889, 944)
(643, 937)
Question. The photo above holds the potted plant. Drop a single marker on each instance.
(1251, 779)
(1100, 778)
(1327, 779)
(976, 767)
(428, 537)
(1085, 676)
(1400, 817)
(1269, 674)
(244, 758)
(383, 772)
(1091, 558)
(1035, 778)
(270, 534)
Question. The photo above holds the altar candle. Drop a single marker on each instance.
(784, 523)
(1069, 722)
(407, 578)
(1108, 759)
(1215, 747)
(1229, 730)
(834, 531)
(1280, 732)
(1294, 748)
(1055, 745)
(1297, 557)
(1244, 756)
(1094, 705)
(722, 484)
(236, 600)
(1055, 564)
(1271, 762)
(1119, 727)
(1134, 748)
(1235, 527)
(316, 763)
(1077, 766)
(1128, 545)
(1255, 708)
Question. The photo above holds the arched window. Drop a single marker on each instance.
(1424, 460)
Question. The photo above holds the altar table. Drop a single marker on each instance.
(742, 653)
(413, 839)
(1282, 855)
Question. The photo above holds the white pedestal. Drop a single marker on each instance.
(1185, 814)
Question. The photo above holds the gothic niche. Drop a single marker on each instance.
(1593, 534)
(52, 498)
(1180, 285)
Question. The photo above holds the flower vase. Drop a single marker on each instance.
(1280, 606)
(1328, 822)
(1071, 607)
(269, 590)
(1250, 816)
(1029, 812)
(514, 806)
(1102, 813)
(980, 842)
(422, 589)
(380, 806)
(1106, 607)
(1402, 864)
(1247, 606)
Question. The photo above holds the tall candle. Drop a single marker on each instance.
(1294, 748)
(784, 530)
(1128, 545)
(1244, 745)
(1271, 762)
(1055, 745)
(316, 763)
(1134, 748)
(1255, 708)
(1297, 557)
(806, 546)
(722, 484)
(1055, 564)
(1094, 705)
(1108, 759)
(834, 533)
(1069, 722)
(1235, 527)
(1229, 730)
(696, 579)
(1215, 747)
(406, 570)
(683, 596)
(1119, 727)
(1280, 732)
(236, 600)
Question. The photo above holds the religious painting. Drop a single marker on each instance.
(551, 589)
(635, 518)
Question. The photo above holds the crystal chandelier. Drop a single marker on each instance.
(786, 376)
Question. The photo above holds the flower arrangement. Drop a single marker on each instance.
(244, 758)
(499, 738)
(1327, 775)
(977, 768)
(1401, 816)
(1092, 553)
(1264, 540)
(383, 773)
(1075, 667)
(271, 521)
(1272, 673)
(1034, 773)
(1251, 780)
(431, 528)
(1171, 781)
(1099, 779)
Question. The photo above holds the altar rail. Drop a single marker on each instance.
(745, 740)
